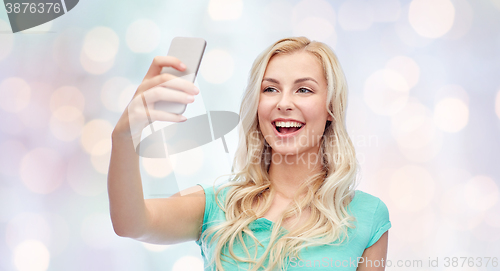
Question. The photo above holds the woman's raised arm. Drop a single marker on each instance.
(166, 221)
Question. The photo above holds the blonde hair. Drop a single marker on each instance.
(328, 192)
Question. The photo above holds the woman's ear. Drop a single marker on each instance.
(330, 118)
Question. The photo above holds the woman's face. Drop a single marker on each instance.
(292, 106)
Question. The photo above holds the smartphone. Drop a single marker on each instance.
(190, 52)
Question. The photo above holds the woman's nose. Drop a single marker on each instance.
(285, 102)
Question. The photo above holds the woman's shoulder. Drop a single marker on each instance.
(368, 204)
(212, 188)
(371, 214)
(363, 196)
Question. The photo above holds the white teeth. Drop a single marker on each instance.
(288, 124)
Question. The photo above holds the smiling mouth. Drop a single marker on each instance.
(287, 127)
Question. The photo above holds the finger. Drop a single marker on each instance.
(181, 84)
(157, 94)
(170, 81)
(163, 61)
(155, 81)
(157, 115)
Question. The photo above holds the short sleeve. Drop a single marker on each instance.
(380, 223)
(213, 214)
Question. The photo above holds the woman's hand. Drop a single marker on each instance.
(155, 87)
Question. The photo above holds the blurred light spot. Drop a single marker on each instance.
(31, 255)
(45, 27)
(431, 18)
(386, 10)
(143, 36)
(67, 96)
(111, 93)
(83, 179)
(156, 167)
(100, 156)
(452, 91)
(451, 115)
(218, 66)
(59, 233)
(225, 10)
(7, 41)
(486, 233)
(455, 209)
(450, 176)
(188, 263)
(42, 170)
(313, 8)
(408, 36)
(66, 48)
(126, 96)
(187, 163)
(497, 104)
(435, 72)
(155, 247)
(412, 127)
(50, 229)
(417, 137)
(93, 132)
(11, 124)
(11, 153)
(277, 16)
(356, 15)
(463, 20)
(412, 188)
(426, 152)
(407, 67)
(386, 92)
(101, 44)
(97, 231)
(26, 226)
(67, 113)
(492, 216)
(496, 3)
(15, 94)
(11, 202)
(95, 67)
(37, 115)
(316, 20)
(66, 123)
(421, 227)
(315, 28)
(481, 193)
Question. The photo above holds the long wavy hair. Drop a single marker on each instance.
(249, 194)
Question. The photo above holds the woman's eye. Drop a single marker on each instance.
(269, 89)
(303, 90)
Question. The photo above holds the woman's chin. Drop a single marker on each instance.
(286, 152)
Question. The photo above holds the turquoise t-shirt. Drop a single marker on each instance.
(372, 220)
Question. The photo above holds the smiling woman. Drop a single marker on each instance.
(291, 200)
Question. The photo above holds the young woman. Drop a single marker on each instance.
(290, 202)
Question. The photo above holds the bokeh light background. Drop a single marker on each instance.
(423, 112)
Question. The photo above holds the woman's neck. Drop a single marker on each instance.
(287, 173)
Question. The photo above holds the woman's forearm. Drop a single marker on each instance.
(128, 210)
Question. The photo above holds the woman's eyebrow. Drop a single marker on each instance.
(272, 80)
(306, 79)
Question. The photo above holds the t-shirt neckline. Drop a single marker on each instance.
(271, 223)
